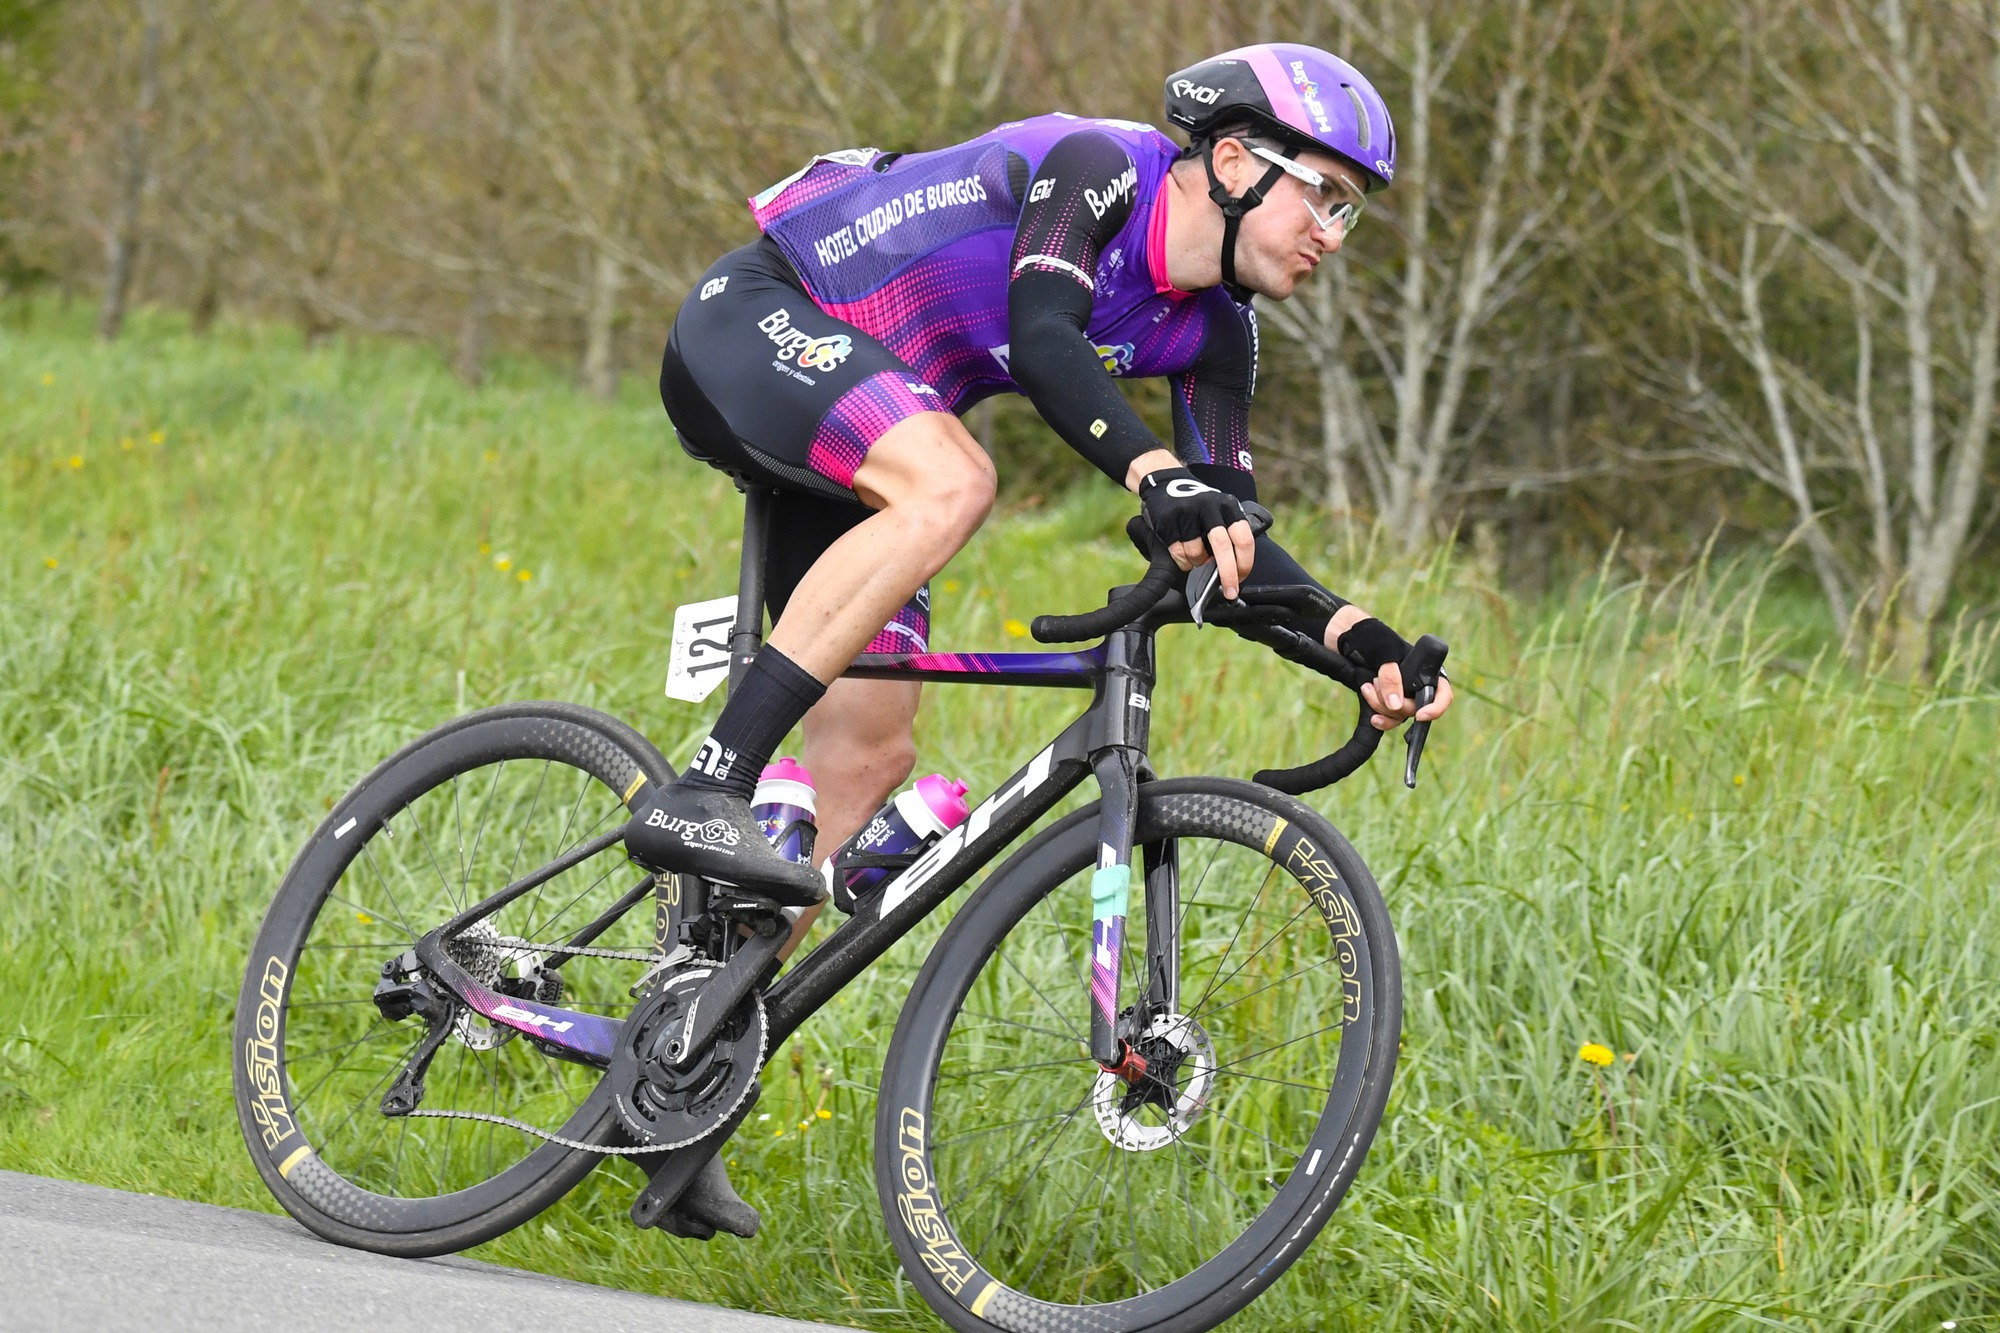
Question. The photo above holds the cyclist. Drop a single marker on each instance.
(891, 291)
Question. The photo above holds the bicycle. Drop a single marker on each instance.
(1049, 1154)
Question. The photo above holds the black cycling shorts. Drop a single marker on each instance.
(762, 383)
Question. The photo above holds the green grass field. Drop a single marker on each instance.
(1664, 819)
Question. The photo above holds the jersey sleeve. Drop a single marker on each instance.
(1078, 199)
(1211, 401)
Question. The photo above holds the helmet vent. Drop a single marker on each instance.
(1361, 126)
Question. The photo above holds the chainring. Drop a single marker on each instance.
(665, 1107)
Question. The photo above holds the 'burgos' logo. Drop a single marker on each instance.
(1122, 188)
(811, 353)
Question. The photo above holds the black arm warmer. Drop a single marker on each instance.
(1050, 295)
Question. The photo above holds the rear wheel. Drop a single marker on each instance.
(446, 822)
(1025, 1188)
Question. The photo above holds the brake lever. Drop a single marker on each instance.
(1425, 662)
(1203, 580)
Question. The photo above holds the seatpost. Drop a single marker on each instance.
(748, 635)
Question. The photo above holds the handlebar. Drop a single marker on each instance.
(1255, 616)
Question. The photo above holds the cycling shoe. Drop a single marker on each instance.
(711, 833)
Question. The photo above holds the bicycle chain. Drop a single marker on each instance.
(526, 1128)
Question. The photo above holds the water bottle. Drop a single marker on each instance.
(909, 823)
(784, 807)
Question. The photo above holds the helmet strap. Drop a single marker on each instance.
(1233, 207)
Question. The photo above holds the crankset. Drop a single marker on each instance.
(667, 1097)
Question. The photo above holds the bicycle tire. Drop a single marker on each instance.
(966, 1263)
(297, 985)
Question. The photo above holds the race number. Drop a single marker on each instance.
(700, 659)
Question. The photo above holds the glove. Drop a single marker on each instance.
(1372, 645)
(1182, 509)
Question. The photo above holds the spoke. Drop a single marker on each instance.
(1132, 1226)
(431, 852)
(1060, 1018)
(1234, 936)
(1015, 1069)
(1015, 1023)
(1290, 976)
(1275, 935)
(374, 1096)
(563, 843)
(368, 854)
(514, 865)
(1187, 903)
(1005, 1124)
(541, 927)
(485, 811)
(379, 1028)
(1000, 1221)
(1281, 1082)
(1254, 1055)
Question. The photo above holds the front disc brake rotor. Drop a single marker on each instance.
(1165, 1101)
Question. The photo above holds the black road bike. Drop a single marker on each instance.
(1113, 1100)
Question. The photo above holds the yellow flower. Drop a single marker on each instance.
(492, 455)
(49, 563)
(48, 379)
(1591, 1053)
(126, 444)
(486, 548)
(1739, 779)
(503, 562)
(951, 585)
(1015, 629)
(525, 575)
(364, 918)
(158, 437)
(75, 462)
(824, 1114)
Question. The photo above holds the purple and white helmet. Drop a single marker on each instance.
(1299, 93)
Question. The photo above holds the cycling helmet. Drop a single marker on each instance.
(1299, 95)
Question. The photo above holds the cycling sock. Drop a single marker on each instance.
(768, 702)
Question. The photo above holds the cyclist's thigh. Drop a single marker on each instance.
(760, 381)
(802, 527)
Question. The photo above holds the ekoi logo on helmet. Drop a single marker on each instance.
(810, 353)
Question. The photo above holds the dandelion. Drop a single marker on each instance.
(1591, 1053)
(823, 1113)
(503, 562)
(126, 444)
(805, 1124)
(1739, 779)
(526, 575)
(951, 585)
(76, 462)
(47, 379)
(486, 548)
(364, 918)
(1015, 629)
(49, 563)
(491, 455)
(157, 437)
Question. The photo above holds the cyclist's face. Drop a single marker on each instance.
(1281, 241)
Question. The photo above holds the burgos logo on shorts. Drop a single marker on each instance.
(811, 353)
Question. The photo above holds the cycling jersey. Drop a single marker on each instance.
(1031, 259)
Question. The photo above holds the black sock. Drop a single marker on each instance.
(768, 702)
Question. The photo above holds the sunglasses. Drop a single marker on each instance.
(1346, 212)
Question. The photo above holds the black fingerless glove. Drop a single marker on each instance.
(1372, 645)
(1182, 509)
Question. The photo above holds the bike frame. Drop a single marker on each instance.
(1107, 741)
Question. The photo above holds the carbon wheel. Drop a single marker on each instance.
(1026, 1189)
(449, 820)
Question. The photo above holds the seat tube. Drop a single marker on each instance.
(748, 634)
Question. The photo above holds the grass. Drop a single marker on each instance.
(1663, 819)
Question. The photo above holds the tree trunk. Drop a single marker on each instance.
(599, 371)
(121, 245)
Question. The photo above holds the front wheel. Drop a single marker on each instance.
(1025, 1188)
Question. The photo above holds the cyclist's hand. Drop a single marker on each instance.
(1199, 523)
(1367, 642)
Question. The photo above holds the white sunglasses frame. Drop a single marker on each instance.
(1347, 214)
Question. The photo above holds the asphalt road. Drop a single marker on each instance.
(83, 1257)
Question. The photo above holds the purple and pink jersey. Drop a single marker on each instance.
(919, 250)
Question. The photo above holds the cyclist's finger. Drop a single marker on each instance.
(1224, 551)
(1188, 555)
(1245, 542)
(1381, 720)
(1437, 706)
(1389, 681)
